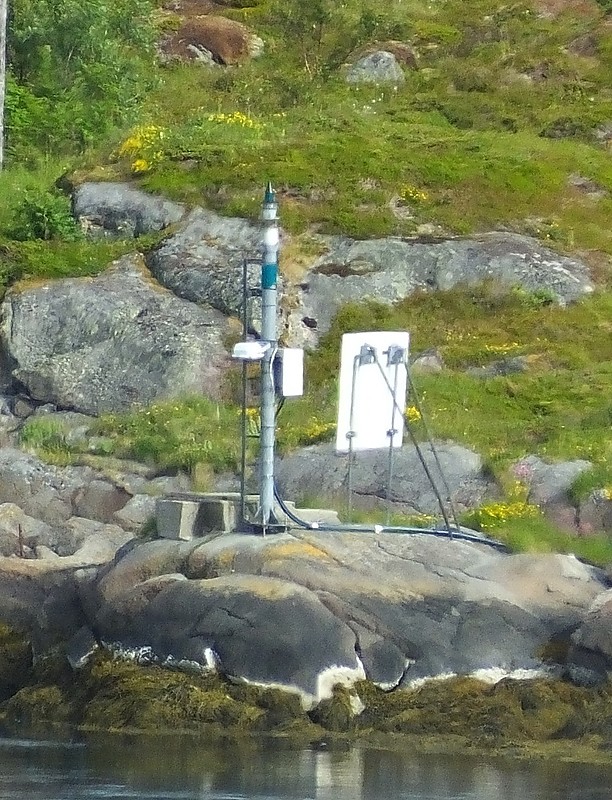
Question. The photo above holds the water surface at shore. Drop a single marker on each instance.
(185, 768)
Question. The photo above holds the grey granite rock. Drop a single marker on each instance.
(135, 513)
(378, 67)
(110, 342)
(118, 209)
(203, 261)
(548, 483)
(388, 270)
(317, 471)
(306, 609)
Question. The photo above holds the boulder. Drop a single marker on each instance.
(107, 343)
(590, 657)
(42, 595)
(203, 262)
(20, 534)
(317, 471)
(100, 500)
(118, 209)
(226, 41)
(430, 361)
(378, 67)
(304, 610)
(548, 483)
(404, 53)
(388, 270)
(135, 513)
(595, 512)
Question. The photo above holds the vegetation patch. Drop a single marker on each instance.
(457, 713)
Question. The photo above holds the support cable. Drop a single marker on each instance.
(430, 440)
(460, 535)
(449, 532)
(417, 447)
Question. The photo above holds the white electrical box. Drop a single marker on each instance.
(372, 390)
(290, 374)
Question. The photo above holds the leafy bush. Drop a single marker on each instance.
(76, 69)
(44, 215)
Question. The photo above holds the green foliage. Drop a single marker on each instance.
(535, 534)
(40, 260)
(177, 434)
(606, 5)
(76, 69)
(47, 438)
(599, 477)
(560, 404)
(44, 215)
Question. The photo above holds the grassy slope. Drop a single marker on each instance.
(467, 143)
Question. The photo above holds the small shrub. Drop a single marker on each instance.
(47, 438)
(44, 215)
(566, 128)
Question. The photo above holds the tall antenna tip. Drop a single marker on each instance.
(270, 195)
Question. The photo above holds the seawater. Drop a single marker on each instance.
(185, 768)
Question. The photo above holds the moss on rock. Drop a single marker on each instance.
(521, 717)
(335, 713)
(15, 661)
(35, 704)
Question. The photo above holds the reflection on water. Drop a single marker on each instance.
(177, 768)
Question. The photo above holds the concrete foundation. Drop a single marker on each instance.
(189, 516)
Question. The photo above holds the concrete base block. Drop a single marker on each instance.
(188, 516)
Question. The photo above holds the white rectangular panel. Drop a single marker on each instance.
(367, 409)
(292, 371)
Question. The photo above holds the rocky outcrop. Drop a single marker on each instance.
(306, 610)
(48, 493)
(317, 471)
(203, 262)
(378, 67)
(388, 270)
(108, 343)
(117, 209)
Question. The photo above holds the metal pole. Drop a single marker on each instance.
(269, 277)
(391, 433)
(243, 421)
(350, 436)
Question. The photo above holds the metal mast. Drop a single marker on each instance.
(269, 277)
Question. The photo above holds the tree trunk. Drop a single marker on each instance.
(3, 14)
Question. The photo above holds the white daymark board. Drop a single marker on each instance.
(369, 407)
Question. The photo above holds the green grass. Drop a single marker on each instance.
(538, 535)
(560, 408)
(465, 127)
